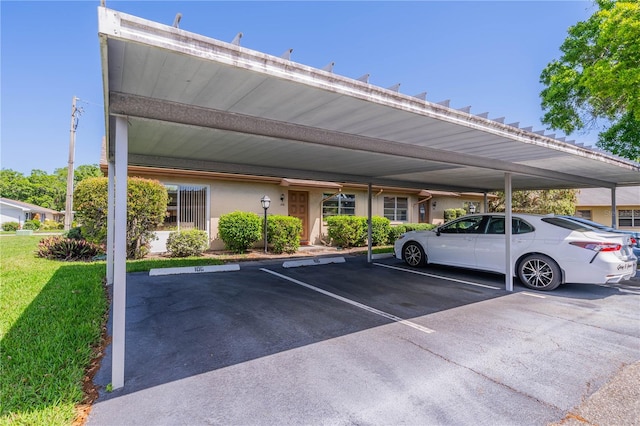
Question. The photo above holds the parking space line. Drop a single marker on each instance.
(353, 302)
(438, 276)
(539, 296)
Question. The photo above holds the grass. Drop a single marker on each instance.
(51, 318)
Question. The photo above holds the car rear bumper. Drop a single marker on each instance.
(603, 271)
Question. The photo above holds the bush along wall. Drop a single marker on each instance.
(351, 231)
(240, 230)
(283, 233)
(187, 243)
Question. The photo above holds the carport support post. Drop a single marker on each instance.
(613, 208)
(120, 252)
(369, 225)
(507, 232)
(110, 220)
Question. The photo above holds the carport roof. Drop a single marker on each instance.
(197, 103)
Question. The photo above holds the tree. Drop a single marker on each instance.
(41, 188)
(80, 173)
(598, 77)
(557, 201)
(146, 206)
(14, 185)
(46, 190)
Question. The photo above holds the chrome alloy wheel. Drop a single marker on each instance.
(539, 272)
(413, 254)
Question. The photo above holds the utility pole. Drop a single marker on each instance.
(68, 210)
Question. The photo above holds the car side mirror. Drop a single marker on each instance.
(438, 232)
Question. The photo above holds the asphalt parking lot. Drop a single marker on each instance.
(352, 343)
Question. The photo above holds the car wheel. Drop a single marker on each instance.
(539, 272)
(413, 254)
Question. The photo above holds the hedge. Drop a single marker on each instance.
(283, 233)
(240, 230)
(351, 231)
(187, 243)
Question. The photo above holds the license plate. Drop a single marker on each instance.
(626, 267)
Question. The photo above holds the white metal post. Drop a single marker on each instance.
(120, 253)
(613, 208)
(507, 232)
(110, 219)
(369, 226)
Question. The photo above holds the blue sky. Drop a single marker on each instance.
(485, 54)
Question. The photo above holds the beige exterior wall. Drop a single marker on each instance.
(602, 214)
(228, 195)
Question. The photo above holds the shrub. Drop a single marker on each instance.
(351, 231)
(396, 231)
(283, 233)
(449, 214)
(380, 228)
(146, 207)
(187, 243)
(239, 230)
(419, 226)
(10, 226)
(347, 231)
(460, 212)
(67, 249)
(51, 225)
(74, 233)
(32, 224)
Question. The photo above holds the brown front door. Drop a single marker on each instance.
(299, 207)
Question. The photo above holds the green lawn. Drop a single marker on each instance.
(51, 317)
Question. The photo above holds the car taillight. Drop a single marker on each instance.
(634, 242)
(597, 246)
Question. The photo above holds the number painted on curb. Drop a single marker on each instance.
(198, 269)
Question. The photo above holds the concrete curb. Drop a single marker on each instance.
(313, 262)
(194, 269)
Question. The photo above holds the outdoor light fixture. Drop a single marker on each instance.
(282, 199)
(472, 208)
(266, 202)
(434, 204)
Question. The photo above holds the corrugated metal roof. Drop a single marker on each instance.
(625, 196)
(198, 103)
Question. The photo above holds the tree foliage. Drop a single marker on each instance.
(41, 188)
(557, 201)
(146, 206)
(598, 77)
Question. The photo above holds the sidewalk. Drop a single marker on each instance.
(616, 403)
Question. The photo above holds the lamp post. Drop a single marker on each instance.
(266, 202)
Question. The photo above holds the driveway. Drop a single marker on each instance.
(351, 343)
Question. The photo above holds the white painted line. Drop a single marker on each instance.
(312, 262)
(539, 296)
(194, 269)
(438, 276)
(622, 290)
(353, 302)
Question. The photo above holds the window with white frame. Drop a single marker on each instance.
(629, 218)
(338, 204)
(396, 208)
(187, 208)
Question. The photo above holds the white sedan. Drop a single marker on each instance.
(547, 250)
